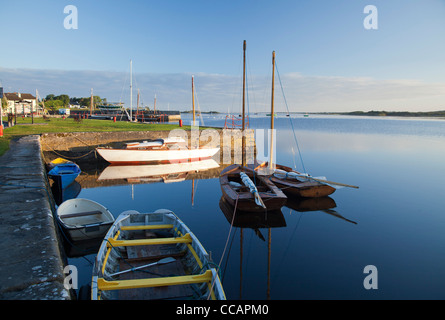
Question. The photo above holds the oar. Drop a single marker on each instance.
(331, 182)
(162, 261)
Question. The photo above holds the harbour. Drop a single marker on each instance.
(326, 241)
(319, 250)
(177, 156)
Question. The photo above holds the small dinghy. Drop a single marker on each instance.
(152, 256)
(64, 173)
(84, 219)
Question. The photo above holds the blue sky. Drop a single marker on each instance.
(327, 59)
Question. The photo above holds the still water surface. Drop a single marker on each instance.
(395, 221)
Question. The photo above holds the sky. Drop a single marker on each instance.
(326, 59)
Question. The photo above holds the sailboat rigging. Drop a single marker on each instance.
(242, 186)
(291, 182)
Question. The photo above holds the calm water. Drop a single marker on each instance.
(396, 220)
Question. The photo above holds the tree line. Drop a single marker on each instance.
(54, 102)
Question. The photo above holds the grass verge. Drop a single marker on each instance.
(25, 127)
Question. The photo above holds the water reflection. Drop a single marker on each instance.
(70, 192)
(172, 172)
(324, 204)
(256, 221)
(261, 224)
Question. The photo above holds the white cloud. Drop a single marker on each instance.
(223, 92)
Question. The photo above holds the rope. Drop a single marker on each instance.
(227, 242)
(287, 107)
(64, 156)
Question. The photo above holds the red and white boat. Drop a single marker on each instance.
(162, 150)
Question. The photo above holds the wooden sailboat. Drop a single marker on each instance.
(241, 186)
(294, 183)
(160, 150)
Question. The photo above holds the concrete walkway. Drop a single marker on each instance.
(31, 262)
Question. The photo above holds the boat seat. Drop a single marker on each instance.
(80, 214)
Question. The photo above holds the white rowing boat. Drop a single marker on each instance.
(84, 219)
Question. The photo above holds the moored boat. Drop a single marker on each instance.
(294, 183)
(84, 219)
(161, 150)
(153, 256)
(241, 186)
(260, 196)
(64, 173)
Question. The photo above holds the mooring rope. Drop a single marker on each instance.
(64, 156)
(227, 242)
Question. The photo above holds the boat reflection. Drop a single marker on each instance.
(272, 219)
(60, 195)
(82, 248)
(172, 172)
(252, 220)
(323, 204)
(256, 221)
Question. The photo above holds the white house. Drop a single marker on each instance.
(20, 103)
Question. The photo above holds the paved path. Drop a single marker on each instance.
(31, 263)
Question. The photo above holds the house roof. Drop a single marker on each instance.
(13, 96)
(27, 96)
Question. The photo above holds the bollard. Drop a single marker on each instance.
(1, 129)
(114, 119)
(180, 123)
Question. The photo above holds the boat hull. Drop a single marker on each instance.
(128, 156)
(305, 189)
(65, 173)
(140, 237)
(83, 219)
(244, 200)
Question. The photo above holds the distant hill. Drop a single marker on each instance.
(395, 113)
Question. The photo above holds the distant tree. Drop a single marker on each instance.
(50, 97)
(64, 98)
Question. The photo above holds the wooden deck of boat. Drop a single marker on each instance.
(155, 293)
(143, 255)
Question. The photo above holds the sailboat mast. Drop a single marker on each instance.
(193, 100)
(272, 112)
(154, 111)
(91, 102)
(131, 90)
(137, 106)
(244, 99)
